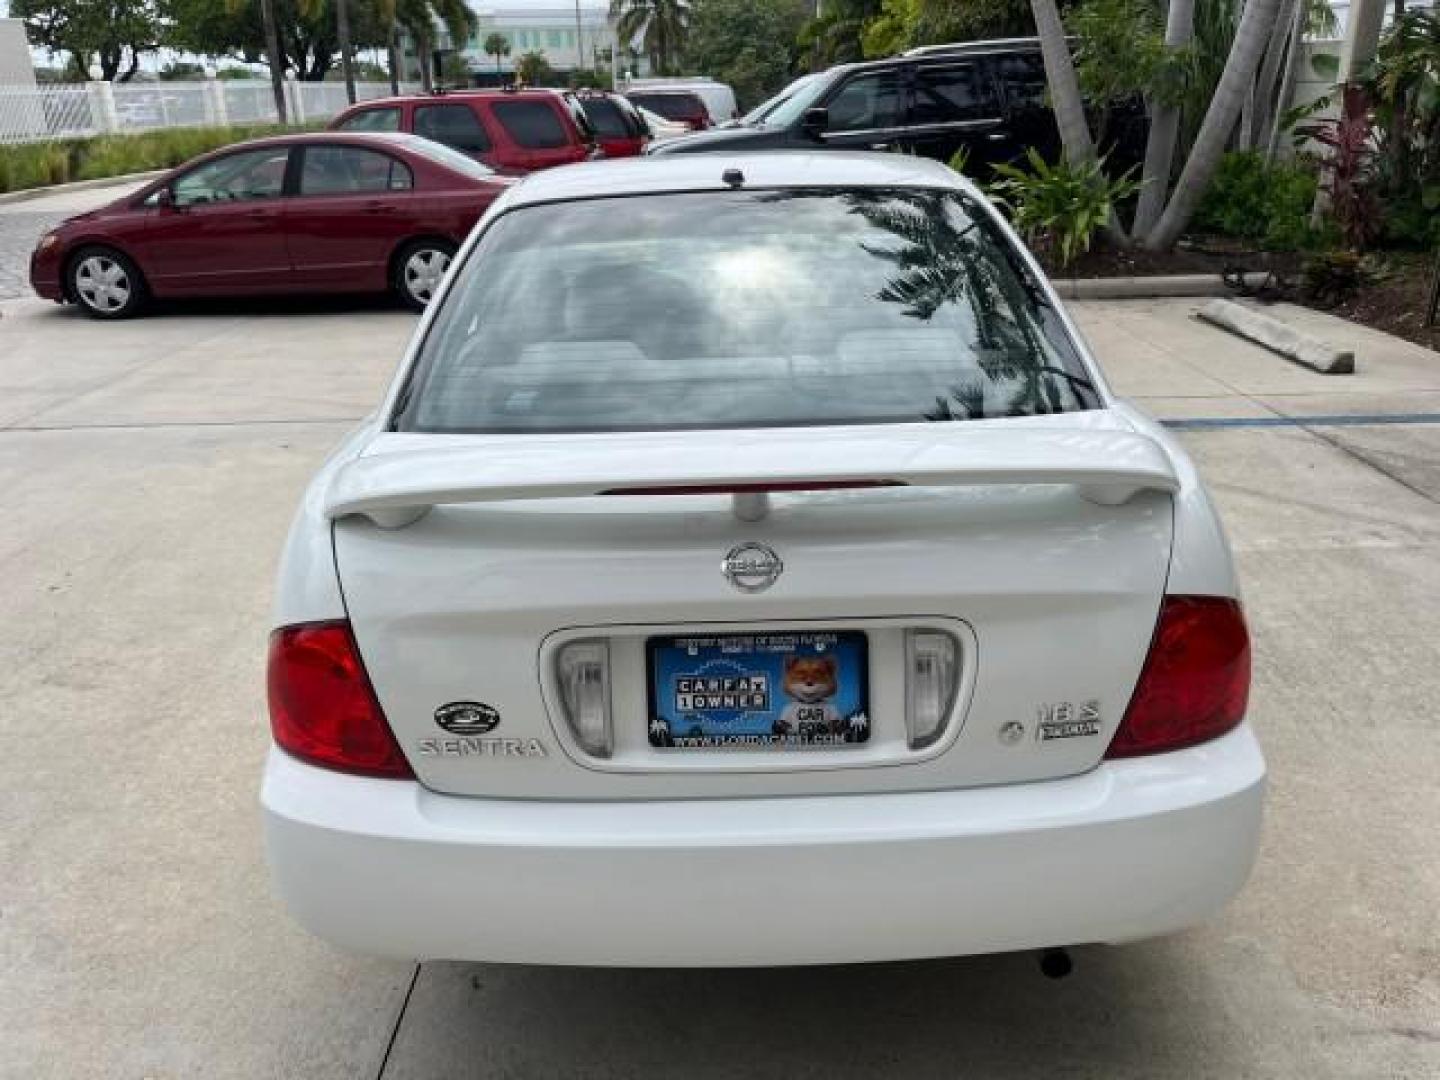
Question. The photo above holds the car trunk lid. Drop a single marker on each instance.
(1038, 546)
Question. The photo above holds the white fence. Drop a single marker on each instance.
(72, 111)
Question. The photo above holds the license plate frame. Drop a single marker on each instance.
(784, 690)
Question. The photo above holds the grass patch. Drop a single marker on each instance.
(32, 165)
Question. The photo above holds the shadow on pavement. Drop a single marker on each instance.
(1152, 1009)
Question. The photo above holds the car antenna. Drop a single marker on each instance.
(734, 177)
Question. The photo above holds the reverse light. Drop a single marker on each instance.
(931, 671)
(584, 671)
(322, 707)
(1196, 678)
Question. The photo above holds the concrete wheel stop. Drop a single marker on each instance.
(1278, 337)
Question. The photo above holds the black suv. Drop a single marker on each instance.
(986, 97)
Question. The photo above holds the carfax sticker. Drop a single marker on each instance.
(791, 690)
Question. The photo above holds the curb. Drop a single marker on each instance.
(78, 185)
(1140, 288)
(1278, 337)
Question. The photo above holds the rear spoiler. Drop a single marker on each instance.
(397, 488)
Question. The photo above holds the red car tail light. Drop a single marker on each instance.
(322, 707)
(1195, 681)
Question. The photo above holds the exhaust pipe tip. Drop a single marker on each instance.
(1056, 963)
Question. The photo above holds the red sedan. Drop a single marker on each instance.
(332, 212)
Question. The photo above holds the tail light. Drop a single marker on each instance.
(584, 670)
(931, 676)
(322, 707)
(1196, 678)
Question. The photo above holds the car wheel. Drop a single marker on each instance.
(419, 269)
(105, 284)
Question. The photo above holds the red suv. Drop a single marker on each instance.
(514, 131)
(682, 106)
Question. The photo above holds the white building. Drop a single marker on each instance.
(16, 66)
(569, 37)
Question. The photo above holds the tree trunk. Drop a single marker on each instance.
(1268, 104)
(1064, 85)
(1164, 128)
(1287, 83)
(394, 48)
(347, 49)
(1251, 37)
(427, 77)
(272, 55)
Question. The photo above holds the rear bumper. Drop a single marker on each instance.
(1129, 850)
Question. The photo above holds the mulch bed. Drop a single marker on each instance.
(1395, 300)
(1392, 300)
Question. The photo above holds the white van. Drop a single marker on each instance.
(719, 98)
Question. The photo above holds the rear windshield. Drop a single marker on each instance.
(741, 309)
(671, 106)
(607, 120)
(532, 124)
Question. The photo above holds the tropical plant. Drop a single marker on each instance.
(1060, 207)
(1252, 35)
(748, 44)
(533, 69)
(661, 26)
(1404, 91)
(1347, 171)
(1255, 200)
(496, 45)
(903, 24)
(836, 35)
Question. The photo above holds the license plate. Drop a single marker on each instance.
(802, 690)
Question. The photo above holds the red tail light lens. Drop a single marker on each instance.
(322, 708)
(1196, 678)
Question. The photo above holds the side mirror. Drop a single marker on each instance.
(815, 122)
(165, 199)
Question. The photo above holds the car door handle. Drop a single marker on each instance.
(996, 136)
(378, 207)
(261, 212)
(881, 146)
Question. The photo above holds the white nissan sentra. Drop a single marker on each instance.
(749, 565)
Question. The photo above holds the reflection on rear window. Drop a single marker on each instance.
(742, 309)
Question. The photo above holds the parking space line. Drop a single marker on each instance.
(169, 424)
(399, 1019)
(1201, 423)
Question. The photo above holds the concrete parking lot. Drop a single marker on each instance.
(149, 470)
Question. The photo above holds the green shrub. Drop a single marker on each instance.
(1250, 200)
(32, 165)
(1059, 207)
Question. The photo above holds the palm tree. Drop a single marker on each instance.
(273, 58)
(662, 25)
(418, 17)
(1064, 86)
(498, 46)
(347, 49)
(1164, 128)
(1251, 38)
